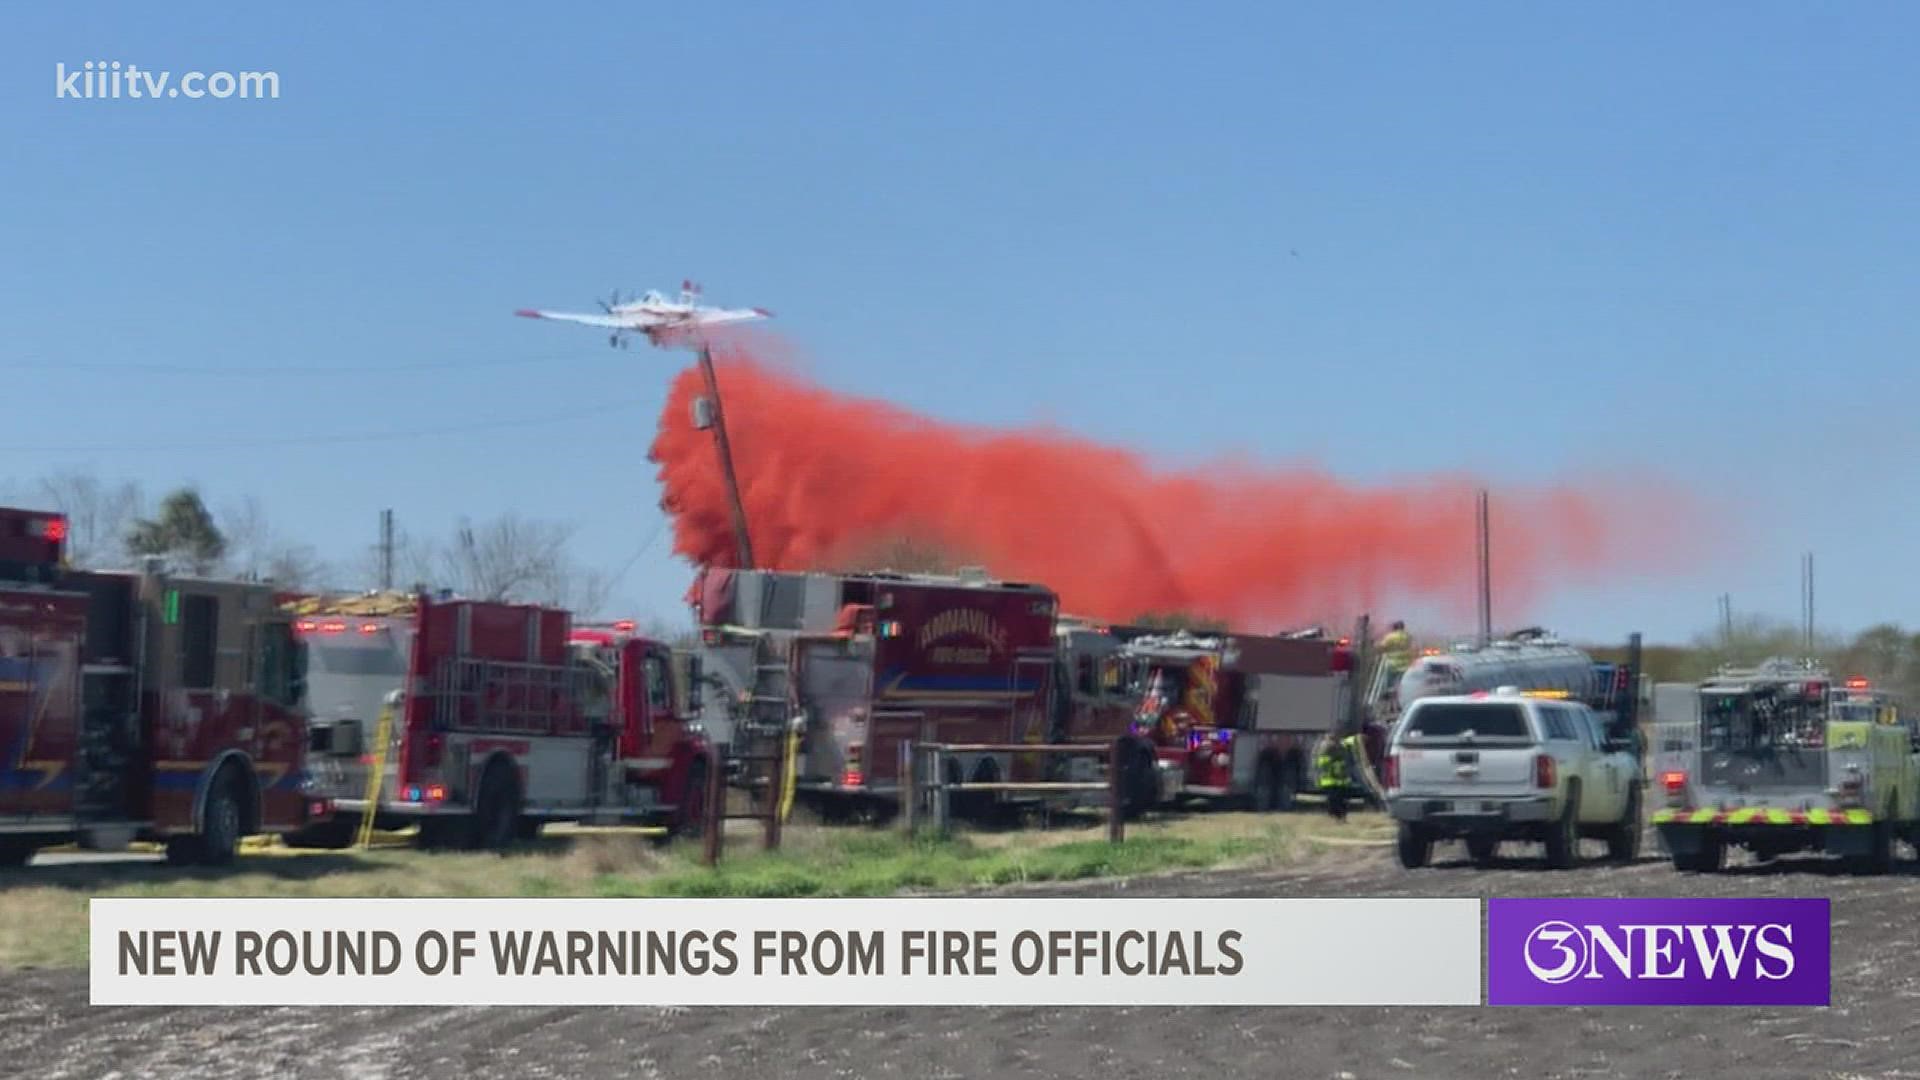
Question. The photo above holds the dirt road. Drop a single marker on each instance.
(48, 1030)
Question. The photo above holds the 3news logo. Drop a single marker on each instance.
(1658, 952)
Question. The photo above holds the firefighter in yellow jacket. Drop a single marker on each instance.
(1396, 647)
(1336, 767)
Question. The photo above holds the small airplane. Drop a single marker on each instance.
(653, 314)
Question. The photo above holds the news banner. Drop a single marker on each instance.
(943, 951)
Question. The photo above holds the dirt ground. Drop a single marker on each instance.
(48, 1030)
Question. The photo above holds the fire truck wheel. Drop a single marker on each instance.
(326, 836)
(498, 813)
(1139, 783)
(690, 820)
(220, 821)
(1879, 856)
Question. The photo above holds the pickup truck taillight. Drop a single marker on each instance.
(1390, 772)
(1543, 771)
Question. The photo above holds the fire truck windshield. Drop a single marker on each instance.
(1760, 722)
(1166, 686)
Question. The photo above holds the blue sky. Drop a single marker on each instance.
(1531, 243)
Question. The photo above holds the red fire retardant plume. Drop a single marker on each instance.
(826, 477)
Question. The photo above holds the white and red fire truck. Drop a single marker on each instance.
(142, 706)
(1232, 716)
(497, 719)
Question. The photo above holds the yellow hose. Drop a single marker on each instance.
(790, 777)
(376, 774)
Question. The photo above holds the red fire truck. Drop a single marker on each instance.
(1232, 716)
(498, 718)
(818, 646)
(141, 706)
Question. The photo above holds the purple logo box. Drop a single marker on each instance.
(1659, 952)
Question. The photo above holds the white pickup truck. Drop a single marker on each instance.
(1509, 766)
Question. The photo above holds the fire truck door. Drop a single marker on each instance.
(1031, 678)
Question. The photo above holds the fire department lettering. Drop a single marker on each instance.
(969, 622)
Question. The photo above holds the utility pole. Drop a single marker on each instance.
(725, 450)
(1483, 530)
(387, 549)
(1806, 602)
(1726, 618)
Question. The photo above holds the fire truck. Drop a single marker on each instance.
(142, 706)
(857, 663)
(1232, 716)
(481, 721)
(1782, 758)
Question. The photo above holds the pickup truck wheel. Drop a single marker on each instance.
(1623, 840)
(1483, 850)
(1563, 842)
(1413, 845)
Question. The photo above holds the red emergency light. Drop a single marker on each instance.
(53, 528)
(369, 627)
(1673, 781)
(625, 626)
(1856, 682)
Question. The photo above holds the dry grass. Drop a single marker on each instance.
(45, 908)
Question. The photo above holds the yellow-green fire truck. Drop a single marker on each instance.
(1783, 758)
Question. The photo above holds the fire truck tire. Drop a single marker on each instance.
(497, 815)
(327, 836)
(1623, 839)
(1563, 837)
(1879, 856)
(1276, 785)
(1413, 845)
(690, 820)
(1708, 858)
(1139, 783)
(222, 821)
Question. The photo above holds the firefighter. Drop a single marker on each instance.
(1335, 768)
(1396, 647)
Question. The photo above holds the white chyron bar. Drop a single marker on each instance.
(907, 951)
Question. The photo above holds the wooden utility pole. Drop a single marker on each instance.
(1483, 531)
(742, 542)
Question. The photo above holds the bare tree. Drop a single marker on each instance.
(256, 552)
(516, 558)
(98, 515)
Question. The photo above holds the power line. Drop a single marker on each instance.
(277, 371)
(614, 581)
(327, 439)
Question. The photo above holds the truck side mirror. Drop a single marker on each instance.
(297, 672)
(696, 675)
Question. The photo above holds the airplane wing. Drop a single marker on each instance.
(710, 318)
(611, 322)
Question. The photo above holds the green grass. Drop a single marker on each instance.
(45, 908)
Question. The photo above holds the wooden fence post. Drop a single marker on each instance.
(909, 786)
(715, 812)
